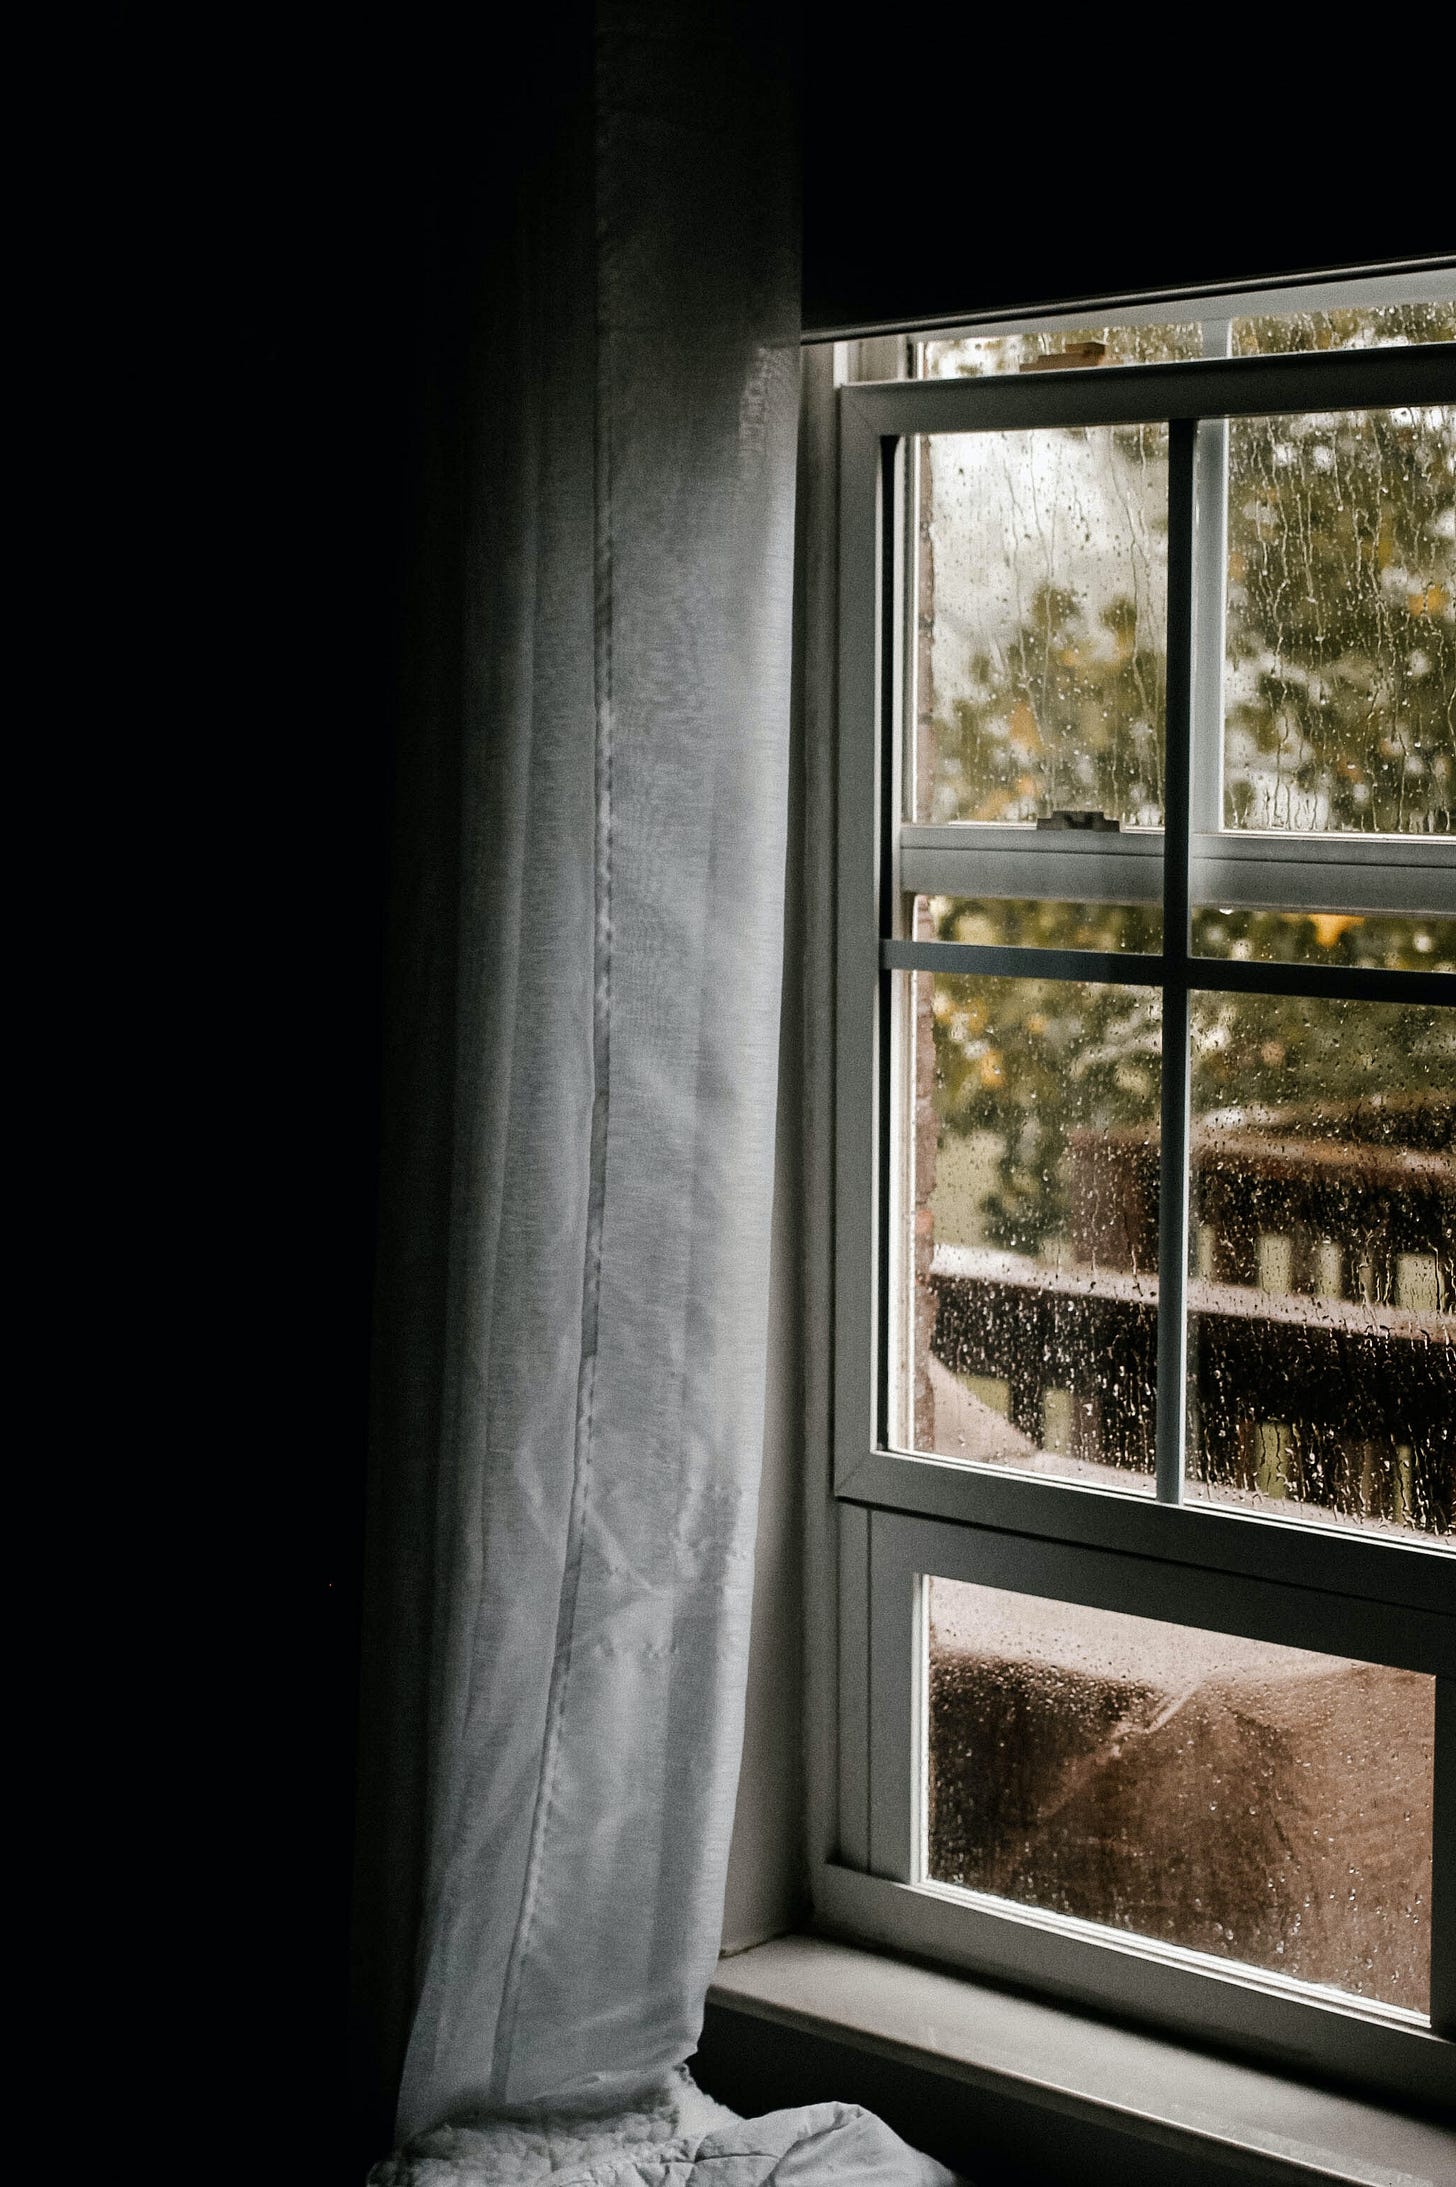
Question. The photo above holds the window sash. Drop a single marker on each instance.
(1245, 869)
(1163, 1984)
(880, 858)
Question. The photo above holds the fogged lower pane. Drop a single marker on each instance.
(1038, 922)
(1266, 1805)
(1322, 1299)
(1032, 1242)
(1382, 941)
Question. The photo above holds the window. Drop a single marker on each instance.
(1145, 1170)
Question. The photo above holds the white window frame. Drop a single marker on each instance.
(895, 1518)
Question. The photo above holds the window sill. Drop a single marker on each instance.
(1182, 2112)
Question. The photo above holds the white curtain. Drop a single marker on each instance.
(575, 1229)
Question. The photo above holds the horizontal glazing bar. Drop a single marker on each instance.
(1123, 969)
(1318, 1553)
(1351, 983)
(1206, 387)
(1280, 884)
(1414, 874)
(1336, 982)
(1026, 864)
(1261, 846)
(973, 838)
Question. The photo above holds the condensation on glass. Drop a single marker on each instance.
(1340, 661)
(1029, 1234)
(1265, 1805)
(1322, 1290)
(1040, 606)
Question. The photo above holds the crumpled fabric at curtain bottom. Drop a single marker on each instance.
(671, 2136)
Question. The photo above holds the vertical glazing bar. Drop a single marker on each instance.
(889, 1231)
(1443, 1865)
(851, 1842)
(1210, 555)
(1173, 1187)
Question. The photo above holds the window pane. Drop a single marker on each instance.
(1362, 326)
(1039, 923)
(1340, 678)
(1058, 349)
(1039, 620)
(1383, 941)
(1031, 1224)
(1322, 1332)
(1265, 1805)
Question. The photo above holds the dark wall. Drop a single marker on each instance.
(958, 164)
(360, 184)
(378, 191)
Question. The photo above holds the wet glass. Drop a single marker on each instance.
(1031, 1224)
(1039, 620)
(1340, 660)
(1068, 348)
(1322, 1293)
(1265, 1805)
(1032, 922)
(1057, 349)
(1361, 326)
(1379, 941)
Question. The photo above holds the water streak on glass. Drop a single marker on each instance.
(1360, 326)
(1266, 1805)
(1340, 669)
(1322, 1299)
(1031, 1239)
(1069, 348)
(1040, 612)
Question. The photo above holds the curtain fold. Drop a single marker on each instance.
(579, 1152)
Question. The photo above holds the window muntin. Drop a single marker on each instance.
(1277, 914)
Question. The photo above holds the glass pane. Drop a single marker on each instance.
(1322, 1303)
(1266, 1805)
(1040, 611)
(1382, 941)
(1031, 1224)
(1340, 679)
(1058, 349)
(1362, 326)
(1038, 923)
